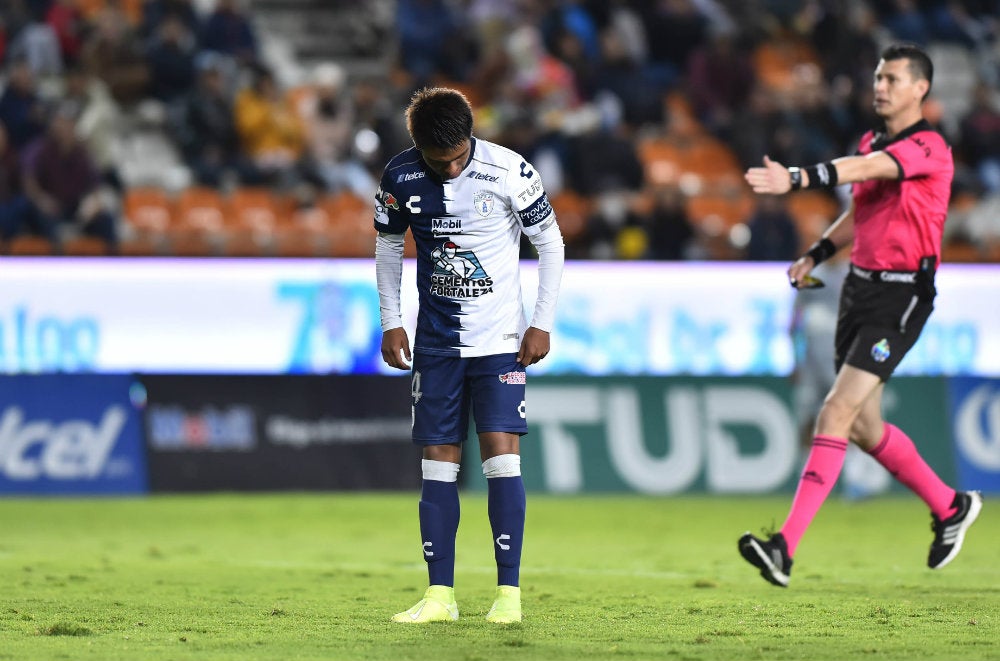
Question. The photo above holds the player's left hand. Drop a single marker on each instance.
(771, 179)
(534, 346)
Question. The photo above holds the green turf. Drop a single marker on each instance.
(294, 576)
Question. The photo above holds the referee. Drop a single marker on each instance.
(901, 182)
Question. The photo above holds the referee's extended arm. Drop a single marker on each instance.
(773, 178)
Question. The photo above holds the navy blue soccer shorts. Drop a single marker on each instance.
(444, 388)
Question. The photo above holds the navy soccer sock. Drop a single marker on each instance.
(506, 510)
(439, 514)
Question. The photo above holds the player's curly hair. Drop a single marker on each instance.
(439, 118)
(920, 64)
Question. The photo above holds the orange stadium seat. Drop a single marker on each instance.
(86, 246)
(29, 246)
(143, 246)
(351, 231)
(731, 207)
(255, 209)
(200, 208)
(187, 243)
(245, 244)
(661, 160)
(572, 213)
(148, 209)
(132, 9)
(813, 211)
(290, 241)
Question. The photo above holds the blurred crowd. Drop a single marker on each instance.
(640, 114)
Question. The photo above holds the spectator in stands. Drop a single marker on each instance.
(774, 236)
(328, 119)
(605, 160)
(379, 127)
(904, 19)
(67, 22)
(204, 126)
(62, 183)
(271, 133)
(36, 42)
(620, 73)
(674, 29)
(98, 122)
(979, 144)
(171, 60)
(668, 225)
(719, 80)
(521, 133)
(155, 11)
(114, 54)
(228, 30)
(14, 207)
(22, 110)
(429, 36)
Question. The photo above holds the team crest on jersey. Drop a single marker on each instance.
(880, 351)
(458, 273)
(483, 202)
(387, 199)
(514, 378)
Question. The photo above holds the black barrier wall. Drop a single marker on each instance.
(279, 432)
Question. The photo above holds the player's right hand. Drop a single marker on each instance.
(396, 348)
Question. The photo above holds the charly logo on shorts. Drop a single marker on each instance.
(514, 378)
(880, 350)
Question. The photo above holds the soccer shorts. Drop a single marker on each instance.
(878, 323)
(443, 389)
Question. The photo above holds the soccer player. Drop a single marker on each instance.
(901, 178)
(467, 202)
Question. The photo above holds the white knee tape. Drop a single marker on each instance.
(502, 465)
(439, 471)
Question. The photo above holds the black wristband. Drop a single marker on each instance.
(822, 250)
(795, 178)
(822, 175)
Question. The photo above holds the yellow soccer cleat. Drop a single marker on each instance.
(438, 605)
(507, 605)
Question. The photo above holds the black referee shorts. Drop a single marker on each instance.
(878, 323)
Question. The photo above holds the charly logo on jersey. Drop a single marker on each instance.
(387, 199)
(483, 202)
(458, 273)
(880, 351)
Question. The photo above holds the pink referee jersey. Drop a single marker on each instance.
(896, 222)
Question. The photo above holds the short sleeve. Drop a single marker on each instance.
(389, 218)
(920, 154)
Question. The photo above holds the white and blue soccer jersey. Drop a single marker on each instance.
(468, 233)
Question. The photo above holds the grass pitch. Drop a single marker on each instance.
(283, 577)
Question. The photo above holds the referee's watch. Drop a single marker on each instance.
(795, 178)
